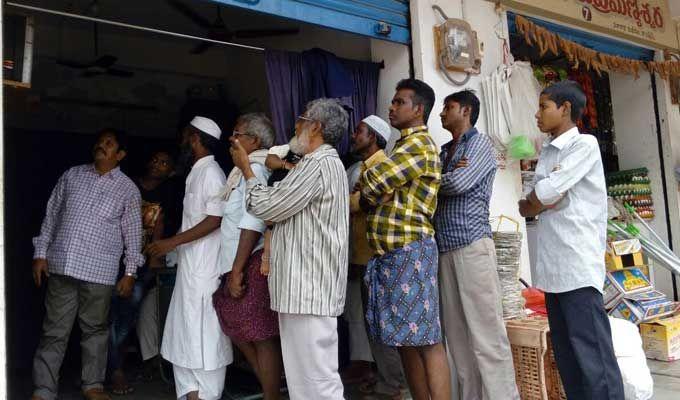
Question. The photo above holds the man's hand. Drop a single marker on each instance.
(125, 285)
(40, 269)
(160, 248)
(524, 208)
(239, 156)
(273, 162)
(236, 287)
(157, 263)
(462, 163)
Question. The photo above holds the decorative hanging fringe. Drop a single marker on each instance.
(579, 55)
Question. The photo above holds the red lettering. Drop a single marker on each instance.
(640, 13)
(658, 17)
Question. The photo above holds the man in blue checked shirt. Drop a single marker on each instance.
(471, 309)
(93, 217)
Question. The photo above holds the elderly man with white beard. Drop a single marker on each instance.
(308, 277)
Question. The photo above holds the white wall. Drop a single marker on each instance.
(481, 15)
(396, 58)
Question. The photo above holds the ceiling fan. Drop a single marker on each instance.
(217, 30)
(100, 65)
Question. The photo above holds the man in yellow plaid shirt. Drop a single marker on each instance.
(400, 197)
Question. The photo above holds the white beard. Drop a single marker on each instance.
(299, 144)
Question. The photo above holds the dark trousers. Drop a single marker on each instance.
(66, 299)
(124, 313)
(582, 342)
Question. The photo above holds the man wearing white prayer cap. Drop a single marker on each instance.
(369, 141)
(193, 340)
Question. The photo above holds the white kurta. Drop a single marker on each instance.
(192, 337)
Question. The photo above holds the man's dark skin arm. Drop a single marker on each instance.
(531, 207)
(246, 243)
(204, 228)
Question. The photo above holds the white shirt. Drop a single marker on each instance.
(571, 238)
(236, 217)
(193, 337)
(310, 208)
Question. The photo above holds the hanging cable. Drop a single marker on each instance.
(130, 26)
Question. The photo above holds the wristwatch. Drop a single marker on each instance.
(133, 275)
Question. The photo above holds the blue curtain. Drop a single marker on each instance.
(297, 78)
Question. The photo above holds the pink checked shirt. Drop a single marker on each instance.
(90, 220)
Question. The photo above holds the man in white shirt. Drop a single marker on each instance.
(193, 340)
(570, 194)
(308, 277)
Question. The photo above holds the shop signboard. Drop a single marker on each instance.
(648, 22)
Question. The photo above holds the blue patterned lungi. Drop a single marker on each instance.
(403, 296)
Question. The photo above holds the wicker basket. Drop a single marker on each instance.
(535, 369)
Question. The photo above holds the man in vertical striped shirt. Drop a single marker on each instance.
(468, 282)
(309, 253)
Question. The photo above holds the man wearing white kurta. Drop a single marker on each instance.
(308, 278)
(193, 340)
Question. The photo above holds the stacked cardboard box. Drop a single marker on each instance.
(628, 291)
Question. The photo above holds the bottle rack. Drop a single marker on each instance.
(632, 187)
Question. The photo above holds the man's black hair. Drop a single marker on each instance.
(423, 95)
(379, 140)
(120, 136)
(561, 92)
(466, 98)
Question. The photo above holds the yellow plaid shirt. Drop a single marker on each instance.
(403, 188)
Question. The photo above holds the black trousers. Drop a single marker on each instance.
(582, 342)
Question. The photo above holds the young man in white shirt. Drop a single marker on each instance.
(570, 194)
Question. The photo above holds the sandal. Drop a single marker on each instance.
(119, 385)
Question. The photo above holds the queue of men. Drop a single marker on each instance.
(408, 227)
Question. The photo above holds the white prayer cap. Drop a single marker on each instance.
(206, 125)
(379, 125)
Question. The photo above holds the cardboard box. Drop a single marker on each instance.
(624, 282)
(661, 338)
(643, 307)
(623, 253)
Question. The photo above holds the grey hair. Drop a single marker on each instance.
(332, 116)
(258, 125)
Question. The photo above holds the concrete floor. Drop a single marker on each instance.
(666, 387)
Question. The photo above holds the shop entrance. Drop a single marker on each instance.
(622, 115)
(87, 76)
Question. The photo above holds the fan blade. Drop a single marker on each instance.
(74, 64)
(121, 73)
(255, 33)
(190, 13)
(201, 48)
(105, 61)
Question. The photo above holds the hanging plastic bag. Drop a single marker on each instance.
(521, 148)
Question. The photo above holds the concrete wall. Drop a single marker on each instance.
(484, 19)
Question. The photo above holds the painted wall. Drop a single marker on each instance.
(482, 16)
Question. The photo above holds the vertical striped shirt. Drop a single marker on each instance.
(411, 173)
(462, 215)
(310, 209)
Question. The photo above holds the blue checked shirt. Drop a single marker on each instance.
(89, 222)
(462, 215)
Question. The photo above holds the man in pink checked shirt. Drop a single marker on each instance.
(92, 217)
